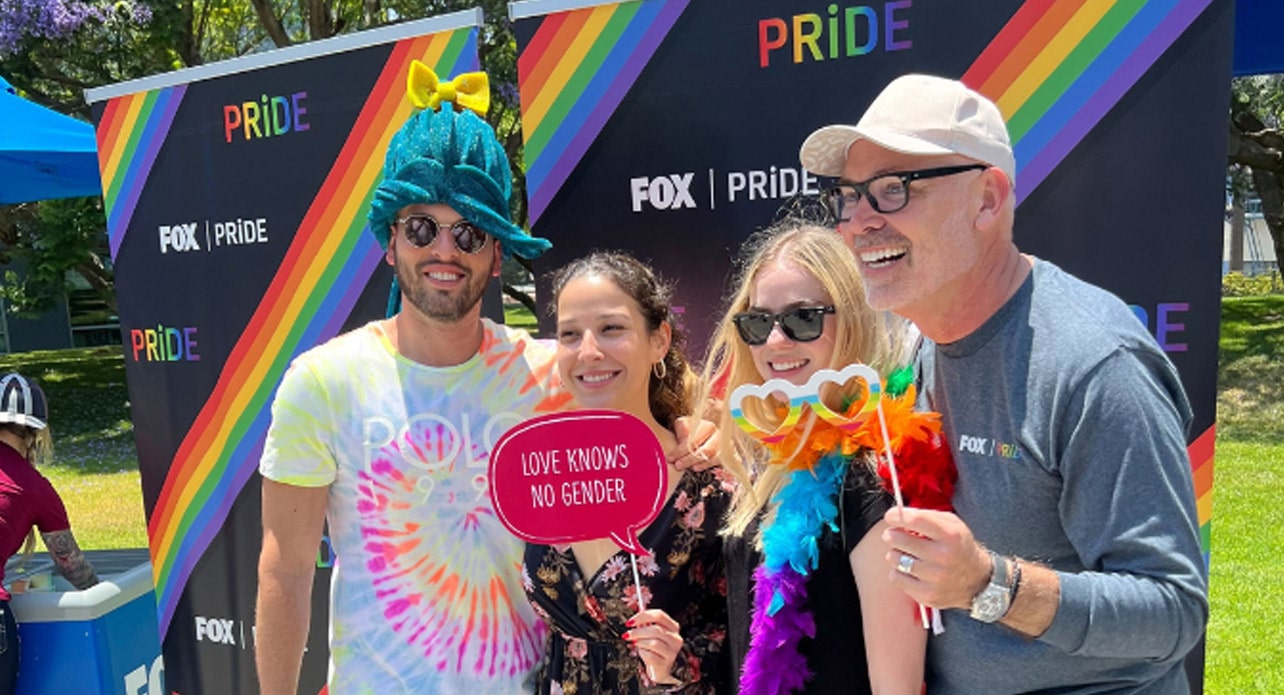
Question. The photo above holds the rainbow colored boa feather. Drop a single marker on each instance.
(805, 506)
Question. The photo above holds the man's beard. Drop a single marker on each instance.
(447, 307)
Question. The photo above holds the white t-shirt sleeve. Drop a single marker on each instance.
(298, 450)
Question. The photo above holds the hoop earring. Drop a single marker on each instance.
(660, 369)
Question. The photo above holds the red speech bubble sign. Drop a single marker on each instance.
(578, 476)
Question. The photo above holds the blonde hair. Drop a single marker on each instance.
(861, 335)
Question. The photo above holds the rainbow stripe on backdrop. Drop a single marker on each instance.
(130, 134)
(1059, 66)
(321, 276)
(1201, 464)
(577, 68)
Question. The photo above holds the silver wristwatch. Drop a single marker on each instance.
(993, 601)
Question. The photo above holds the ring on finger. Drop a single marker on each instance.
(906, 564)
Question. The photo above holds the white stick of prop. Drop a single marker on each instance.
(637, 582)
(896, 492)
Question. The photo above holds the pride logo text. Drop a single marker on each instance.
(265, 118)
(845, 33)
(164, 344)
(1164, 327)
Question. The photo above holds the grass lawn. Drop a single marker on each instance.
(518, 316)
(1245, 636)
(96, 471)
(95, 466)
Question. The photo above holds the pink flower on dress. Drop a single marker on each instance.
(631, 597)
(594, 610)
(647, 566)
(693, 664)
(576, 647)
(613, 568)
(539, 610)
(682, 502)
(695, 517)
(725, 479)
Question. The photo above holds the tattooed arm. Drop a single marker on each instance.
(71, 563)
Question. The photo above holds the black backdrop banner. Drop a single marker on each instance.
(236, 196)
(671, 129)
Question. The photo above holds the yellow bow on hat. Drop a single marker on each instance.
(470, 90)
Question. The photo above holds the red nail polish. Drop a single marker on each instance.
(629, 622)
(626, 637)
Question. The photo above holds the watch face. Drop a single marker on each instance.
(991, 604)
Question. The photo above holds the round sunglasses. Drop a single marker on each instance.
(802, 324)
(421, 231)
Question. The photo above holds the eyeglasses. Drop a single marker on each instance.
(886, 193)
(803, 324)
(421, 230)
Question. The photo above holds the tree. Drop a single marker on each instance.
(47, 240)
(1257, 145)
(51, 50)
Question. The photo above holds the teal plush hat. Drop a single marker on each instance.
(450, 157)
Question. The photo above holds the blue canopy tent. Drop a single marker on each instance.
(44, 154)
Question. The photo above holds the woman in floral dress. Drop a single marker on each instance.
(619, 349)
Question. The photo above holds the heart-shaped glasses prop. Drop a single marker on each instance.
(807, 397)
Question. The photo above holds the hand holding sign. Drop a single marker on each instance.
(579, 476)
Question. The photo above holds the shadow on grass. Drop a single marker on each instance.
(88, 406)
(1250, 374)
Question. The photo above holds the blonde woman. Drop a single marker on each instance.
(811, 606)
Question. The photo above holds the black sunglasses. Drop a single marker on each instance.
(802, 324)
(421, 230)
(886, 193)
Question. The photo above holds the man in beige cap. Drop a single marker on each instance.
(1072, 560)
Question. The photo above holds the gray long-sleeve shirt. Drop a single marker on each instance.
(1068, 425)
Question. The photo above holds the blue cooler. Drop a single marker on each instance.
(99, 641)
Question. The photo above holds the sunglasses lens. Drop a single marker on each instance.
(834, 201)
(754, 327)
(468, 238)
(803, 324)
(420, 231)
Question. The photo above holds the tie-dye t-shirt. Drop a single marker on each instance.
(425, 594)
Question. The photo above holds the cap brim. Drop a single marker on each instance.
(824, 152)
(31, 421)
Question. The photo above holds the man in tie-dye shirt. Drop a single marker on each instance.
(385, 432)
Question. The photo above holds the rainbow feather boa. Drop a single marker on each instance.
(805, 507)
(807, 504)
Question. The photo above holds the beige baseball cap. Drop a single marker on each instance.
(918, 114)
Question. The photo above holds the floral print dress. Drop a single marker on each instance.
(683, 575)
